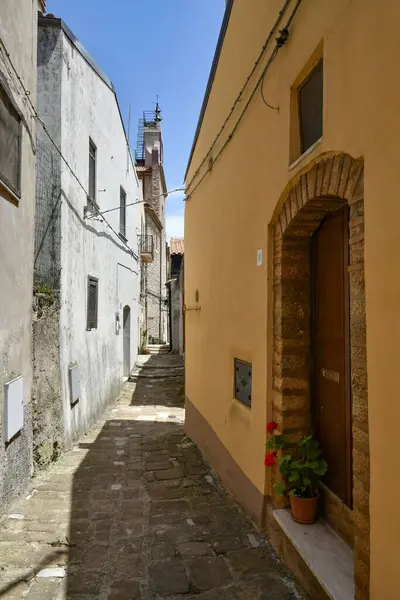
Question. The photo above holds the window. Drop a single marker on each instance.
(10, 143)
(310, 104)
(92, 302)
(92, 170)
(122, 212)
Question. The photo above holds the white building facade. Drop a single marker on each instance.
(87, 263)
(18, 42)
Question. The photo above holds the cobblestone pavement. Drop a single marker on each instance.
(133, 513)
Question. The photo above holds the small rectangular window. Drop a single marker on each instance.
(92, 170)
(10, 143)
(122, 212)
(92, 302)
(310, 103)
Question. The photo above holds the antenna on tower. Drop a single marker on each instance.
(158, 112)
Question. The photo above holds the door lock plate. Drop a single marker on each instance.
(332, 375)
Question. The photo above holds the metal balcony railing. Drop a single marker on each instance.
(146, 247)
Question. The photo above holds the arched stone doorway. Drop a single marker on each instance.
(333, 182)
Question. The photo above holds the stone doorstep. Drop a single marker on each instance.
(324, 552)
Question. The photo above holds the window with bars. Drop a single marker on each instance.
(122, 212)
(10, 143)
(92, 170)
(310, 103)
(92, 302)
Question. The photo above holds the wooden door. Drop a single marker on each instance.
(330, 364)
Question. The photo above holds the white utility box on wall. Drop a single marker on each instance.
(75, 382)
(13, 407)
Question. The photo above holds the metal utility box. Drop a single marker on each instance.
(75, 383)
(13, 407)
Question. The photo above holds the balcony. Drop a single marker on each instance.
(146, 247)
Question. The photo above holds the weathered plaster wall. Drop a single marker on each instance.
(88, 108)
(48, 417)
(222, 233)
(18, 33)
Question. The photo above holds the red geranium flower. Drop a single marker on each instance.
(271, 426)
(270, 458)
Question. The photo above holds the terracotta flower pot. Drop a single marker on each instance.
(304, 510)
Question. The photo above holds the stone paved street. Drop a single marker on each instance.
(132, 512)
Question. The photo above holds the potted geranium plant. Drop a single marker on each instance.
(301, 469)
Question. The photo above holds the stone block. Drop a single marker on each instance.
(358, 333)
(250, 561)
(173, 473)
(344, 175)
(361, 496)
(193, 549)
(360, 411)
(334, 182)
(226, 544)
(209, 573)
(357, 252)
(356, 170)
(320, 177)
(359, 380)
(327, 177)
(168, 578)
(357, 209)
(312, 181)
(357, 281)
(360, 439)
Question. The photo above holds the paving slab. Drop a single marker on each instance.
(133, 513)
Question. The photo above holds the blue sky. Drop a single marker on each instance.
(146, 48)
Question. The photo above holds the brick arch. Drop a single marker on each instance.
(334, 181)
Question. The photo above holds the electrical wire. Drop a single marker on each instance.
(38, 118)
(137, 202)
(262, 86)
(280, 42)
(239, 97)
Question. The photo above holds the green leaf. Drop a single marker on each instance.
(304, 440)
(306, 481)
(279, 441)
(297, 464)
(321, 468)
(280, 488)
(294, 477)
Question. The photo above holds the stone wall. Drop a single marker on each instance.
(48, 418)
(155, 305)
(331, 183)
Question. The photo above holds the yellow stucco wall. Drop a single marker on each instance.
(228, 217)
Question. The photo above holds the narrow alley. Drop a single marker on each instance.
(132, 512)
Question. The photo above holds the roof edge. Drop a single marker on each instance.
(211, 77)
(58, 22)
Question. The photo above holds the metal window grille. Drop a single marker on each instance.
(10, 143)
(243, 380)
(122, 212)
(92, 170)
(92, 304)
(310, 102)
